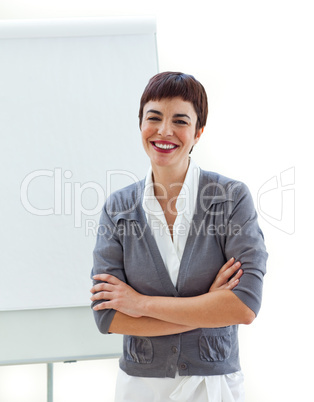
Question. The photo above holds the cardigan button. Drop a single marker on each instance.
(174, 349)
(183, 366)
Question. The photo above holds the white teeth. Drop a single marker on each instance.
(164, 146)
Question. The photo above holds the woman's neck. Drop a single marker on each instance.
(168, 181)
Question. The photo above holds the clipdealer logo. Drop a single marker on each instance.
(66, 197)
(275, 198)
(276, 201)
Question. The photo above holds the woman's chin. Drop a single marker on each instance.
(170, 163)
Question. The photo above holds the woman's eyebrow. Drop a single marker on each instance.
(181, 115)
(175, 115)
(154, 111)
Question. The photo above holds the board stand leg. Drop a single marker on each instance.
(49, 382)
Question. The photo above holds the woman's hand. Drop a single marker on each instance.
(118, 295)
(122, 297)
(223, 281)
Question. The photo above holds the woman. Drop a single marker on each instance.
(167, 261)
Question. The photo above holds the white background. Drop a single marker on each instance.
(255, 59)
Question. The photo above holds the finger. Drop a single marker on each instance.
(222, 276)
(101, 289)
(235, 280)
(231, 272)
(106, 278)
(102, 286)
(238, 274)
(232, 284)
(102, 296)
(102, 306)
(227, 265)
(225, 276)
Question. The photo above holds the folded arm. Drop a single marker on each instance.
(118, 308)
(144, 326)
(152, 315)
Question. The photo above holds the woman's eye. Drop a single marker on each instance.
(153, 118)
(181, 122)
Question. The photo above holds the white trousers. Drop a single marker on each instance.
(219, 388)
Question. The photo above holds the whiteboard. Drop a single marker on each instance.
(54, 335)
(69, 99)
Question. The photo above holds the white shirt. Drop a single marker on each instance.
(218, 388)
(172, 251)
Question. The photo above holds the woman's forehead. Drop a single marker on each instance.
(176, 104)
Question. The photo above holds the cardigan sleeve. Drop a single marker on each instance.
(108, 259)
(245, 242)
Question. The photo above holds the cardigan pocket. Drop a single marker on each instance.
(215, 344)
(139, 350)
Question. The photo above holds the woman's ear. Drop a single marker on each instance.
(198, 134)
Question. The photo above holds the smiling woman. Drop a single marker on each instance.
(179, 294)
(168, 127)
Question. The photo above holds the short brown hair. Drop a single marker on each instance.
(172, 84)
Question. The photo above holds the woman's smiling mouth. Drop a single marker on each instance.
(163, 146)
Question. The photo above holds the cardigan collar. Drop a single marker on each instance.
(210, 192)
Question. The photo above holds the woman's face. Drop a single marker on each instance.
(168, 131)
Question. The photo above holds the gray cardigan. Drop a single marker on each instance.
(224, 226)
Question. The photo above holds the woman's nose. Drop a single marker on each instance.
(165, 129)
